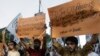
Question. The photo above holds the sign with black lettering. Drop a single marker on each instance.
(31, 27)
(75, 18)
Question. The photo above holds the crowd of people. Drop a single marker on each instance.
(38, 48)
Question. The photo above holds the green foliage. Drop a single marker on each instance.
(7, 36)
(1, 34)
(0, 37)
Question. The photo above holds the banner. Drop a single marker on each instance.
(75, 18)
(12, 29)
(31, 27)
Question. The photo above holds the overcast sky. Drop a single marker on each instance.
(10, 8)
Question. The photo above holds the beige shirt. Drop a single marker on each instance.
(13, 53)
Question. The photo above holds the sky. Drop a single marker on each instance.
(10, 8)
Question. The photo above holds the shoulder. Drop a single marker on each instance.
(93, 54)
(17, 53)
(14, 52)
(9, 51)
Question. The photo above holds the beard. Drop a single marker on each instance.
(70, 49)
(10, 48)
(36, 47)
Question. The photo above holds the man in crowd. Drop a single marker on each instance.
(11, 47)
(72, 48)
(37, 51)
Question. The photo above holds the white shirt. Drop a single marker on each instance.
(13, 53)
(93, 54)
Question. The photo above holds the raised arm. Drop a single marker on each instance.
(44, 42)
(89, 45)
(3, 38)
(23, 44)
(58, 48)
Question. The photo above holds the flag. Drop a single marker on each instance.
(12, 27)
(48, 41)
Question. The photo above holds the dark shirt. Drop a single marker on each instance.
(33, 52)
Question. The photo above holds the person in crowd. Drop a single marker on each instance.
(93, 54)
(72, 48)
(37, 51)
(1, 49)
(92, 51)
(97, 47)
(1, 53)
(11, 47)
(22, 50)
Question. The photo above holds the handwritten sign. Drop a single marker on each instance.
(75, 18)
(31, 27)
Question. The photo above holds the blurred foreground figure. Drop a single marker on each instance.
(1, 49)
(72, 48)
(11, 47)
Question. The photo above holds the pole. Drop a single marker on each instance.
(39, 6)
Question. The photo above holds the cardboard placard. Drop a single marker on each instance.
(75, 18)
(31, 27)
